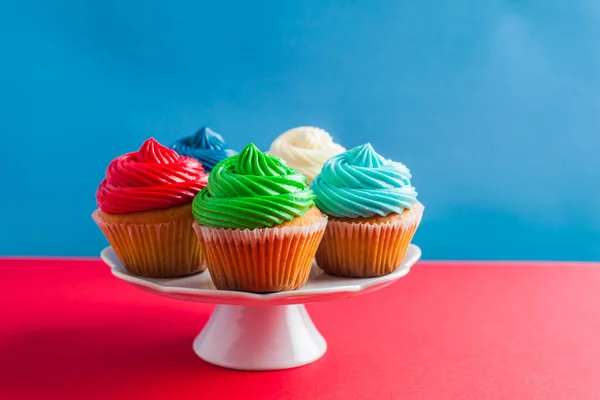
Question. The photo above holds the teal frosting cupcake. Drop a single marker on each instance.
(373, 211)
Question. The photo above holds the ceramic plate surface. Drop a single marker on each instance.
(320, 286)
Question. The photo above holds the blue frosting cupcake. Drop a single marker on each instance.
(206, 146)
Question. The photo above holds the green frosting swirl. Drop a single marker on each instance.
(252, 190)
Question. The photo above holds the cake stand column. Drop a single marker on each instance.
(260, 338)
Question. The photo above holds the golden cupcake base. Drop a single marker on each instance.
(367, 247)
(263, 260)
(157, 243)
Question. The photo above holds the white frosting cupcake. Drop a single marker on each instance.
(306, 149)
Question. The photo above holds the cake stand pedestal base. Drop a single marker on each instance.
(260, 338)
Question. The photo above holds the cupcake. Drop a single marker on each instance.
(206, 146)
(258, 224)
(305, 149)
(145, 211)
(373, 213)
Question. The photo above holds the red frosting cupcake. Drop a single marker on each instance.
(145, 211)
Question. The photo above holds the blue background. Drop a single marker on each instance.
(494, 105)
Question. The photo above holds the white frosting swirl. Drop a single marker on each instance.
(305, 149)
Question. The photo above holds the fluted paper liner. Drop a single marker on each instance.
(359, 249)
(159, 250)
(261, 260)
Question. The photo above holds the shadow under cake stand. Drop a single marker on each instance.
(249, 331)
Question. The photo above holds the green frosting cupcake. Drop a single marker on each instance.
(252, 190)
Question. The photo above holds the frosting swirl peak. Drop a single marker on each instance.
(305, 149)
(361, 183)
(206, 145)
(252, 190)
(154, 177)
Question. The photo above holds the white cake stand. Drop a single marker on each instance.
(249, 331)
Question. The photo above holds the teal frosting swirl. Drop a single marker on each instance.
(361, 183)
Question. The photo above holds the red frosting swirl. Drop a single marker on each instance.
(155, 177)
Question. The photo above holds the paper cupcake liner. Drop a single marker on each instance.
(261, 260)
(365, 250)
(159, 250)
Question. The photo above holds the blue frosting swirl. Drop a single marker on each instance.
(206, 146)
(361, 183)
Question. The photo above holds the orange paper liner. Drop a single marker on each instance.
(160, 250)
(261, 260)
(363, 250)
